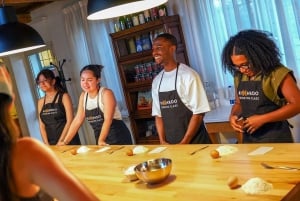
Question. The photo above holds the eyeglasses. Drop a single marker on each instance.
(244, 66)
(42, 81)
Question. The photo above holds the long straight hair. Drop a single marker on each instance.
(8, 137)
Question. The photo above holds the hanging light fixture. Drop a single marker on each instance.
(104, 9)
(16, 37)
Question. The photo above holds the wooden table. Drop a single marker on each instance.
(193, 177)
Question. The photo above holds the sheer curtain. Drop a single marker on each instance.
(207, 25)
(90, 43)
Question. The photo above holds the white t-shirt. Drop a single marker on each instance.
(92, 104)
(189, 88)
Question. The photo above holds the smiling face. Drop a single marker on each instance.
(88, 81)
(163, 51)
(241, 63)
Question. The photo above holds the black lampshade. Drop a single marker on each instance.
(104, 9)
(16, 37)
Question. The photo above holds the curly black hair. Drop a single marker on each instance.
(259, 48)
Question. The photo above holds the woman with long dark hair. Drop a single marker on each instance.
(55, 109)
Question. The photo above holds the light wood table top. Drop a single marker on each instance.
(193, 177)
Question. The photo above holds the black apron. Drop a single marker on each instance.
(118, 133)
(53, 115)
(176, 117)
(254, 101)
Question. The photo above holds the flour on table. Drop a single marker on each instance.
(226, 150)
(256, 186)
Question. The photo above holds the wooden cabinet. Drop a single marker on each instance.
(133, 51)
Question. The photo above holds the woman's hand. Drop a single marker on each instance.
(237, 123)
(102, 143)
(251, 124)
(61, 143)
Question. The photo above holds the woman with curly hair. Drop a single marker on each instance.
(266, 93)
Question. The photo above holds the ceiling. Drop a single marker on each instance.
(24, 7)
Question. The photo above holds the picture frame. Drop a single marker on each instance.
(144, 100)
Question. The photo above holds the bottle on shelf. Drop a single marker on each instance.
(141, 18)
(138, 43)
(122, 23)
(147, 15)
(135, 19)
(162, 10)
(231, 95)
(128, 21)
(146, 42)
(154, 13)
(117, 26)
(131, 45)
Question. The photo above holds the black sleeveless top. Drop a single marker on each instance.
(53, 115)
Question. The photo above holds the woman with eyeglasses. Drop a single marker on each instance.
(55, 109)
(266, 93)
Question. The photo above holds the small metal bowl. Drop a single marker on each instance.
(154, 171)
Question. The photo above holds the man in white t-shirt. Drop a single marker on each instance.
(179, 99)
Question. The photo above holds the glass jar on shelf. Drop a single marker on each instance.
(147, 15)
(162, 10)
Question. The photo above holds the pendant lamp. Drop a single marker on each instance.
(104, 9)
(16, 37)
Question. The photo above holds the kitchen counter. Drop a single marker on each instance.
(220, 114)
(216, 122)
(193, 177)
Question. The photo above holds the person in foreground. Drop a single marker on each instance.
(98, 105)
(266, 91)
(179, 100)
(24, 178)
(55, 109)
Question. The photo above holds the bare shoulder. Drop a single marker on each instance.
(66, 97)
(108, 93)
(27, 147)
